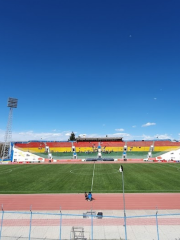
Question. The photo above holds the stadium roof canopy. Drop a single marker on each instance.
(100, 139)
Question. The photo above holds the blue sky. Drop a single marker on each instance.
(93, 67)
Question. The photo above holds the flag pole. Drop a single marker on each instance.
(121, 170)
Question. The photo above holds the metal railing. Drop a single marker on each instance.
(88, 225)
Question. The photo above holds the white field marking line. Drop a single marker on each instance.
(5, 171)
(92, 178)
(74, 172)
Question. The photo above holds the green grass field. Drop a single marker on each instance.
(78, 178)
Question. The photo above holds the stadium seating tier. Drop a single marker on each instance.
(39, 146)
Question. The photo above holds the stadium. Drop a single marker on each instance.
(95, 149)
(43, 185)
(108, 71)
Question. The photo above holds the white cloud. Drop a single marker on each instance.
(25, 133)
(55, 134)
(63, 136)
(119, 129)
(31, 135)
(148, 124)
(67, 134)
(119, 135)
(134, 126)
(157, 136)
(163, 136)
(82, 135)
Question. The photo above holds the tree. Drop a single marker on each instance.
(72, 137)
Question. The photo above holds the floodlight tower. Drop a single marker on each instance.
(12, 103)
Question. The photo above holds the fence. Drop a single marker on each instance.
(88, 225)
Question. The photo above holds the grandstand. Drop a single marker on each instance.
(59, 146)
(88, 148)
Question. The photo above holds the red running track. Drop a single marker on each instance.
(134, 201)
(86, 222)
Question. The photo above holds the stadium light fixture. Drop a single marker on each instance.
(121, 171)
(12, 102)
